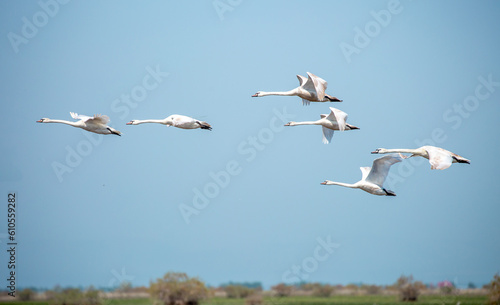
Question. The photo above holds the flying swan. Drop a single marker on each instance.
(334, 121)
(373, 178)
(176, 120)
(438, 158)
(97, 123)
(311, 89)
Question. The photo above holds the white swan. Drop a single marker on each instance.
(97, 123)
(438, 158)
(373, 178)
(311, 89)
(176, 120)
(334, 121)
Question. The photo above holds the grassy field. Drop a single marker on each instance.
(296, 300)
(353, 300)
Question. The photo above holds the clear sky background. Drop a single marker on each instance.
(97, 210)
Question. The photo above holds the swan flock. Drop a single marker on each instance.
(311, 89)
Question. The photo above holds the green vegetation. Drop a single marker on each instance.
(309, 300)
(494, 291)
(178, 289)
(353, 300)
(238, 291)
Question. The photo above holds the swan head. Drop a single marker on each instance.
(290, 124)
(379, 151)
(133, 122)
(325, 182)
(43, 120)
(257, 94)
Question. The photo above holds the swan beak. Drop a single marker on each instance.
(375, 151)
(255, 95)
(323, 183)
(39, 121)
(129, 123)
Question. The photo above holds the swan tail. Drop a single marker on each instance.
(461, 159)
(389, 193)
(204, 125)
(333, 98)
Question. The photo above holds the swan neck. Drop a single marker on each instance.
(342, 184)
(307, 123)
(401, 150)
(137, 122)
(282, 93)
(63, 122)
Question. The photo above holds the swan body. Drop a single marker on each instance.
(373, 177)
(96, 124)
(311, 89)
(439, 158)
(336, 120)
(176, 120)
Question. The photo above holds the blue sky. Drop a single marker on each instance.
(97, 210)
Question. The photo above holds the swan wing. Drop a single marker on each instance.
(82, 117)
(182, 121)
(319, 85)
(315, 85)
(364, 172)
(439, 158)
(99, 119)
(338, 116)
(381, 167)
(327, 135)
(302, 79)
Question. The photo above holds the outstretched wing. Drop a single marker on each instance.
(315, 85)
(99, 119)
(327, 135)
(439, 159)
(182, 121)
(338, 116)
(381, 167)
(302, 79)
(364, 172)
(77, 116)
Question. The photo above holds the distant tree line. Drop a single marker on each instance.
(180, 289)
